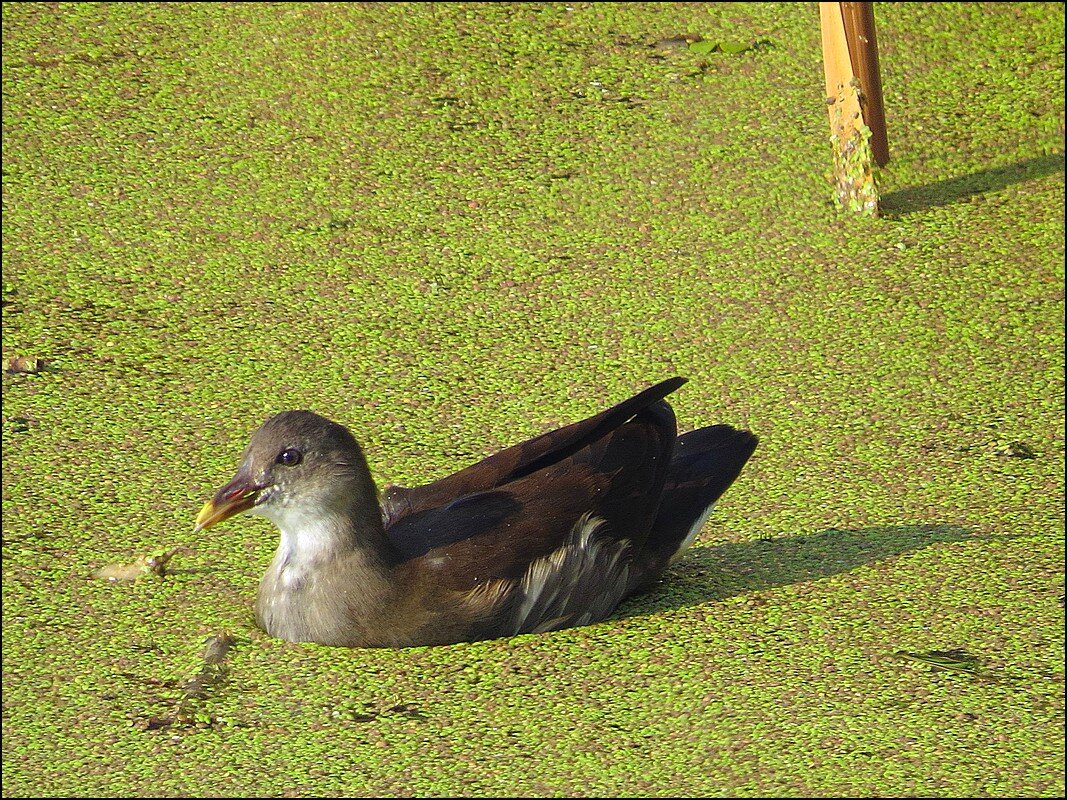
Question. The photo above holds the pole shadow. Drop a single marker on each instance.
(707, 574)
(920, 198)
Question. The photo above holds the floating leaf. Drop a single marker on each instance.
(959, 660)
(25, 365)
(216, 647)
(702, 48)
(677, 42)
(151, 564)
(19, 424)
(1015, 450)
(733, 48)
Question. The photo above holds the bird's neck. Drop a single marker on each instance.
(317, 530)
(313, 535)
(333, 574)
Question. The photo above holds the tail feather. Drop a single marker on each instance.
(704, 464)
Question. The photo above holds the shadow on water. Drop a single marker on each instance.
(919, 198)
(706, 574)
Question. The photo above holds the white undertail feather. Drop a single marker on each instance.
(579, 583)
(689, 537)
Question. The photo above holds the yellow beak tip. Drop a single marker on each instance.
(213, 513)
(203, 519)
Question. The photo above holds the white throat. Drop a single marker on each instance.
(311, 535)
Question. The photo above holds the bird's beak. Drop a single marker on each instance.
(235, 497)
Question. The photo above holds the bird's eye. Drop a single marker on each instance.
(290, 457)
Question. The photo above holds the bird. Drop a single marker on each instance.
(550, 533)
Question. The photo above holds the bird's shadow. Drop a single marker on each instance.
(942, 193)
(706, 574)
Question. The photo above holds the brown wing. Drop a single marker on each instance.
(617, 477)
(519, 460)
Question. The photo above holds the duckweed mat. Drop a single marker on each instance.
(454, 226)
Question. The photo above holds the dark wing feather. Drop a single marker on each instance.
(617, 477)
(705, 462)
(522, 459)
(470, 516)
(464, 548)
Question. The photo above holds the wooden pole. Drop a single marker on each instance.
(863, 54)
(854, 184)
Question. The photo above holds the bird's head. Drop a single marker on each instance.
(296, 463)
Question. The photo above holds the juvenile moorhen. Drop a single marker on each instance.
(547, 534)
